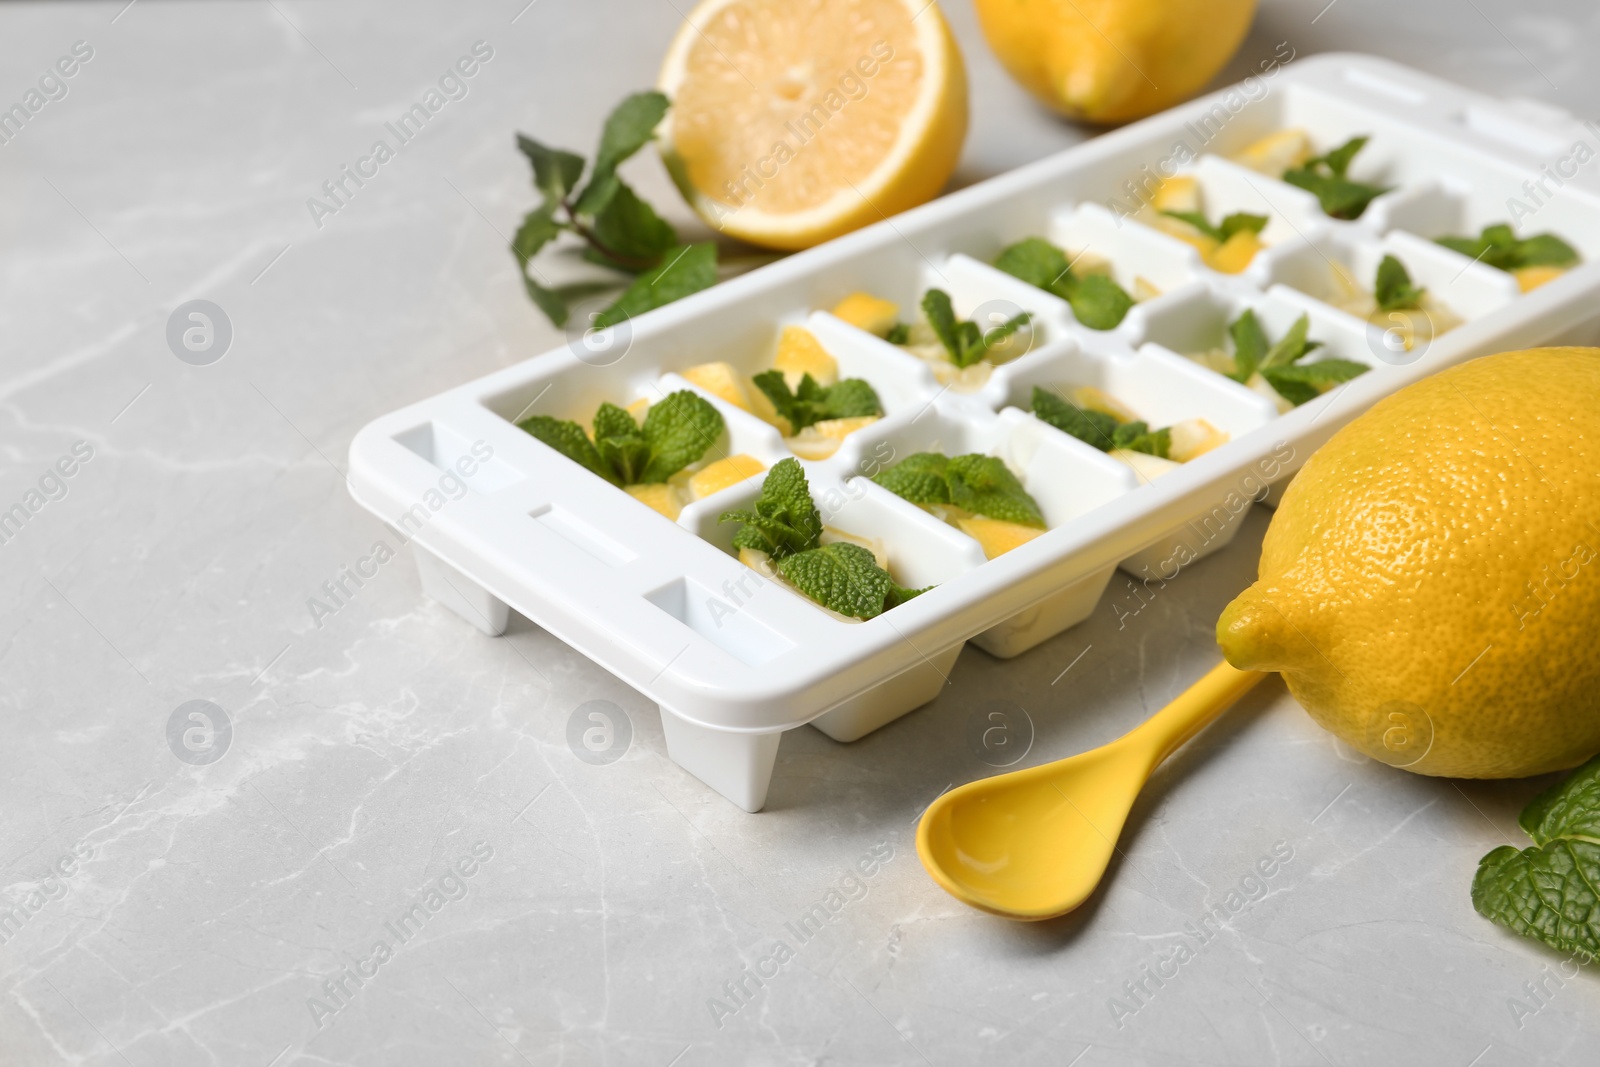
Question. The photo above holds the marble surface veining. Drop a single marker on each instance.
(397, 859)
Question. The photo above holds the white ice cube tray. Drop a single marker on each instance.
(733, 661)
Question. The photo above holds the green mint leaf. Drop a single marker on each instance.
(630, 228)
(899, 595)
(1292, 346)
(684, 270)
(849, 399)
(1300, 382)
(622, 447)
(1545, 250)
(555, 172)
(679, 429)
(1199, 222)
(783, 520)
(1393, 289)
(1340, 158)
(898, 334)
(1091, 427)
(919, 478)
(1242, 222)
(984, 485)
(841, 576)
(1098, 302)
(1340, 198)
(1549, 892)
(538, 228)
(1249, 345)
(568, 438)
(629, 128)
(1039, 263)
(941, 316)
(548, 301)
(612, 421)
(1138, 437)
(813, 403)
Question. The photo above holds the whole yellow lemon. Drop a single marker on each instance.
(1110, 61)
(1430, 585)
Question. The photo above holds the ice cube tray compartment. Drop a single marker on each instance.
(733, 660)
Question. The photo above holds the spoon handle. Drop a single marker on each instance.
(1193, 709)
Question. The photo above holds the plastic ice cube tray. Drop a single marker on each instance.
(732, 661)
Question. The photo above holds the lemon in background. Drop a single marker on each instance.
(795, 122)
(1430, 585)
(1109, 61)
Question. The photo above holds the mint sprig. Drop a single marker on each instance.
(676, 432)
(965, 341)
(811, 403)
(1499, 246)
(1281, 364)
(981, 484)
(1392, 287)
(619, 230)
(785, 524)
(1238, 222)
(1551, 891)
(1099, 428)
(1097, 301)
(1325, 178)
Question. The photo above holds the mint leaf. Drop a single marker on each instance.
(1292, 346)
(679, 430)
(568, 438)
(628, 227)
(919, 478)
(1324, 177)
(1498, 246)
(1238, 222)
(1300, 382)
(841, 576)
(1393, 289)
(1549, 892)
(1037, 262)
(783, 519)
(1138, 437)
(813, 403)
(684, 270)
(1098, 302)
(898, 334)
(964, 341)
(555, 172)
(1091, 427)
(899, 595)
(1249, 345)
(984, 485)
(629, 128)
(620, 443)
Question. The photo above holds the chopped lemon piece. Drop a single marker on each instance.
(1185, 232)
(723, 473)
(1179, 193)
(761, 407)
(867, 312)
(822, 439)
(996, 535)
(1146, 466)
(1091, 399)
(1530, 278)
(720, 380)
(799, 354)
(1191, 438)
(660, 496)
(639, 408)
(962, 379)
(1144, 289)
(1278, 152)
(1235, 254)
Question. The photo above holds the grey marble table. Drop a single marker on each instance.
(391, 777)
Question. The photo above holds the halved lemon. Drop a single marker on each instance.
(793, 123)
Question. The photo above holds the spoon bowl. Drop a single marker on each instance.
(1033, 844)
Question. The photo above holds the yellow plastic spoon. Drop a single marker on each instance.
(1032, 844)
